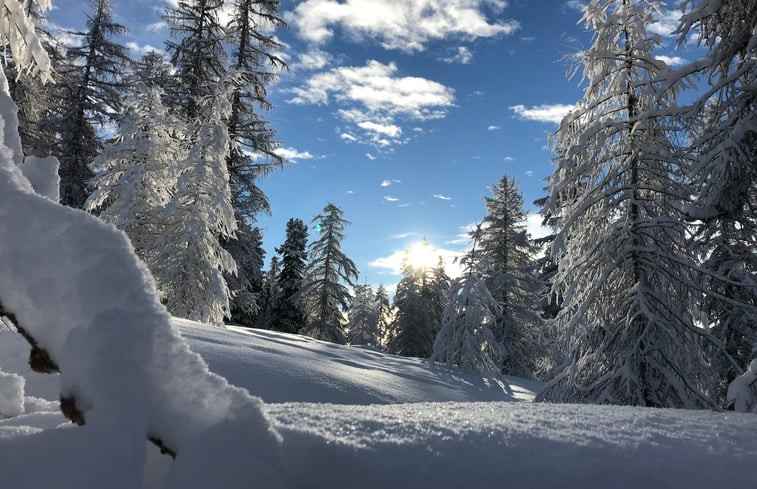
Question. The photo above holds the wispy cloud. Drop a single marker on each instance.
(386, 183)
(542, 113)
(292, 154)
(389, 198)
(157, 26)
(671, 60)
(576, 5)
(348, 137)
(314, 59)
(142, 49)
(373, 97)
(442, 197)
(508, 158)
(393, 262)
(667, 22)
(492, 128)
(370, 156)
(463, 56)
(398, 24)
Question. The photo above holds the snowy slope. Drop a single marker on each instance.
(281, 367)
(410, 445)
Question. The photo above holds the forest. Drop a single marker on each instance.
(643, 294)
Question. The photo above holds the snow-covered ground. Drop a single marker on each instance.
(397, 441)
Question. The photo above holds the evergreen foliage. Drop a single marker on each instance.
(289, 315)
(363, 319)
(89, 90)
(325, 296)
(624, 273)
(246, 285)
(511, 277)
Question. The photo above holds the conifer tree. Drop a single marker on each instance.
(466, 340)
(190, 261)
(134, 179)
(270, 296)
(384, 315)
(325, 294)
(623, 267)
(255, 63)
(89, 88)
(511, 277)
(246, 285)
(289, 315)
(363, 320)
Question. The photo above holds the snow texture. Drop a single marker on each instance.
(11, 394)
(742, 392)
(76, 286)
(42, 173)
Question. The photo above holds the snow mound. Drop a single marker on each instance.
(282, 367)
(519, 445)
(11, 394)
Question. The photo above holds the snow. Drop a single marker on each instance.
(43, 175)
(11, 394)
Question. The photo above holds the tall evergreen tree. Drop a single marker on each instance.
(134, 180)
(198, 57)
(289, 315)
(419, 301)
(511, 277)
(255, 63)
(384, 314)
(325, 294)
(246, 285)
(624, 272)
(90, 92)
(190, 262)
(466, 340)
(270, 297)
(363, 320)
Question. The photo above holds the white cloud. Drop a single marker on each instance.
(442, 197)
(508, 158)
(463, 56)
(140, 50)
(315, 59)
(292, 154)
(542, 113)
(157, 26)
(576, 5)
(667, 22)
(529, 173)
(389, 198)
(370, 156)
(373, 98)
(387, 129)
(397, 24)
(348, 137)
(671, 60)
(386, 183)
(492, 128)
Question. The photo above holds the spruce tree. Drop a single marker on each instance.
(384, 314)
(624, 273)
(246, 285)
(330, 271)
(466, 340)
(90, 91)
(289, 315)
(511, 277)
(363, 319)
(270, 296)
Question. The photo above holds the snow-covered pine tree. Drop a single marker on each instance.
(325, 295)
(466, 340)
(363, 320)
(624, 272)
(419, 302)
(190, 262)
(289, 315)
(135, 171)
(89, 89)
(724, 172)
(511, 277)
(256, 65)
(384, 314)
(270, 296)
(198, 57)
(246, 285)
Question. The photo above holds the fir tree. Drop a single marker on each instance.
(89, 88)
(363, 319)
(246, 285)
(384, 314)
(466, 340)
(624, 273)
(270, 296)
(511, 277)
(325, 296)
(190, 262)
(289, 315)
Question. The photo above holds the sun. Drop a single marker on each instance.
(422, 255)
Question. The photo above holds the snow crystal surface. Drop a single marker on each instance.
(518, 445)
(11, 394)
(42, 173)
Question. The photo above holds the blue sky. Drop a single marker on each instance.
(403, 112)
